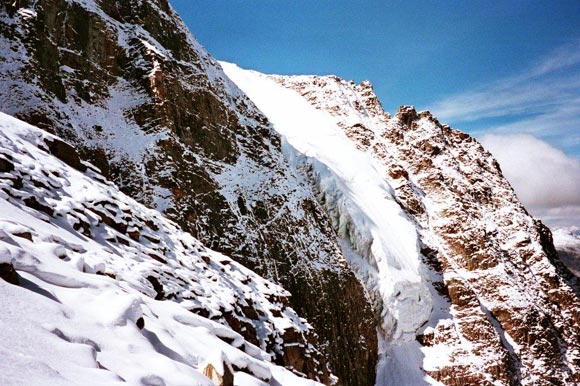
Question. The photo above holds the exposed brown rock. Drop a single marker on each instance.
(66, 153)
(158, 287)
(24, 235)
(6, 166)
(509, 294)
(225, 379)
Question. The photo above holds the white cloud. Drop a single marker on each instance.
(567, 217)
(545, 179)
(565, 56)
(527, 96)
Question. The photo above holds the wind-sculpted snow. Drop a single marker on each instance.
(104, 291)
(506, 309)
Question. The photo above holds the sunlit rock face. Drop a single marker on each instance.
(506, 309)
(127, 85)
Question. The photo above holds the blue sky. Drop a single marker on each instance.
(414, 52)
(489, 68)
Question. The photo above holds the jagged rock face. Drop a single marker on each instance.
(127, 85)
(513, 314)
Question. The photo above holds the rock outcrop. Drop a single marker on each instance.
(513, 314)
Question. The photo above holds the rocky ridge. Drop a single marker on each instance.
(513, 314)
(127, 85)
(377, 236)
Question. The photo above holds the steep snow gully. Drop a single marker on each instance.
(378, 238)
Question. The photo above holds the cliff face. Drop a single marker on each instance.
(131, 89)
(511, 310)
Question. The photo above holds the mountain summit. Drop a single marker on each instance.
(501, 307)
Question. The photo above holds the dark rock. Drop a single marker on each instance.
(134, 235)
(157, 286)
(8, 273)
(5, 165)
(34, 203)
(407, 114)
(155, 256)
(24, 235)
(243, 327)
(200, 311)
(66, 153)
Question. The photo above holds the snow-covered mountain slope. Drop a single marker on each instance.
(127, 84)
(467, 287)
(380, 240)
(567, 243)
(99, 290)
(505, 309)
